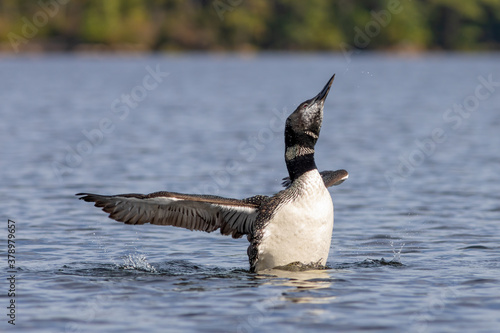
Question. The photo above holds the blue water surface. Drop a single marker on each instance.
(416, 241)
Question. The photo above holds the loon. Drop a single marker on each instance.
(293, 226)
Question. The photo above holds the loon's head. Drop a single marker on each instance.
(303, 125)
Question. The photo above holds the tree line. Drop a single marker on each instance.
(250, 25)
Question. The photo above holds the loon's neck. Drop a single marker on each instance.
(299, 146)
(300, 165)
(299, 153)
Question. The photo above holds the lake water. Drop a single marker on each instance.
(416, 241)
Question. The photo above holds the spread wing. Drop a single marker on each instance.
(195, 212)
(330, 178)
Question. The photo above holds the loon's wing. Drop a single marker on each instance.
(330, 178)
(195, 212)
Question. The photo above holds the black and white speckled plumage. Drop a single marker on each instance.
(252, 216)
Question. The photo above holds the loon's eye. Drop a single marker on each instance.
(305, 105)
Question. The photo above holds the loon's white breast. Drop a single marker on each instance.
(301, 228)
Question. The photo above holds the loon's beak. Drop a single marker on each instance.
(322, 95)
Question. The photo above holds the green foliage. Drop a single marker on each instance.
(252, 25)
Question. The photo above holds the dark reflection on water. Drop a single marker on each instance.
(415, 245)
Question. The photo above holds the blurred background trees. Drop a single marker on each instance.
(246, 25)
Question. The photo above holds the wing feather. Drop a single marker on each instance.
(195, 212)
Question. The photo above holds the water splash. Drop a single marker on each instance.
(137, 262)
(396, 253)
